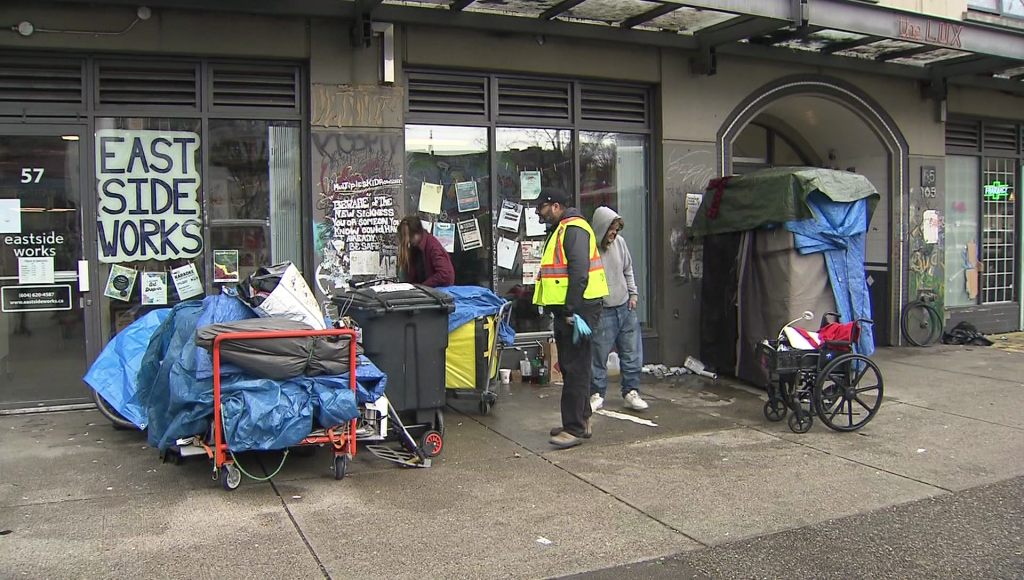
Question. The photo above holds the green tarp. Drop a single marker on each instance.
(775, 196)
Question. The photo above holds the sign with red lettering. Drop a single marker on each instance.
(148, 184)
(931, 31)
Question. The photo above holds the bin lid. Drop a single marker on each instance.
(401, 297)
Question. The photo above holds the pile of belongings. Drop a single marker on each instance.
(158, 374)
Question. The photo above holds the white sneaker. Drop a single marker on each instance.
(596, 402)
(633, 401)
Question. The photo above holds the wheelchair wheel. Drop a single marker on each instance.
(848, 392)
(775, 410)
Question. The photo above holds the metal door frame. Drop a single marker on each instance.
(87, 215)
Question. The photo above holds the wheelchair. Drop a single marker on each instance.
(826, 377)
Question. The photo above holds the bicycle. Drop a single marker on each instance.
(920, 321)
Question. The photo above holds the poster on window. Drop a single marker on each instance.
(187, 282)
(225, 266)
(469, 233)
(467, 196)
(120, 283)
(529, 184)
(508, 219)
(154, 288)
(445, 233)
(148, 185)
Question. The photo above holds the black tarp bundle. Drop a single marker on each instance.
(279, 358)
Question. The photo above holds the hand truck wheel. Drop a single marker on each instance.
(485, 408)
(340, 466)
(230, 477)
(775, 410)
(431, 442)
(800, 422)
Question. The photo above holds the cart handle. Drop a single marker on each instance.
(220, 448)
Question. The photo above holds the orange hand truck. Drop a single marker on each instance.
(342, 438)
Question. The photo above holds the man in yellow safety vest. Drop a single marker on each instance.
(571, 282)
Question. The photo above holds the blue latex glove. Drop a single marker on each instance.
(580, 329)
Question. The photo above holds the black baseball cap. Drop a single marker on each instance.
(553, 195)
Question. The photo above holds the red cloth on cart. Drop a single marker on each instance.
(840, 332)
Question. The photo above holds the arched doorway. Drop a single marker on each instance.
(825, 122)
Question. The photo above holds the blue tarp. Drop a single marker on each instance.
(259, 414)
(474, 301)
(114, 374)
(838, 229)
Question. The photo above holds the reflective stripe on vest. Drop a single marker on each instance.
(553, 277)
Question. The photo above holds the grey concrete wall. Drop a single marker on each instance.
(166, 31)
(971, 101)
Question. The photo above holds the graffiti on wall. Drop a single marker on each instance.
(927, 260)
(356, 106)
(687, 172)
(359, 180)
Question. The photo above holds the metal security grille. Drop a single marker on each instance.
(27, 83)
(139, 83)
(614, 104)
(246, 87)
(525, 99)
(963, 135)
(464, 96)
(998, 244)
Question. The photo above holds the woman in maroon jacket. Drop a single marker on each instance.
(421, 258)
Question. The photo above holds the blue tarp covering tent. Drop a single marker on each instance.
(838, 229)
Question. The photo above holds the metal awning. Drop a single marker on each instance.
(846, 34)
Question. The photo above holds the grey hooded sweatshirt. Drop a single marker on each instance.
(618, 263)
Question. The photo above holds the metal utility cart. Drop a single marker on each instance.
(341, 438)
(485, 350)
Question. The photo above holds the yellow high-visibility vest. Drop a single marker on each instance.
(553, 278)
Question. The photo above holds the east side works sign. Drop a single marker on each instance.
(148, 185)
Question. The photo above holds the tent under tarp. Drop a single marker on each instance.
(775, 196)
(779, 242)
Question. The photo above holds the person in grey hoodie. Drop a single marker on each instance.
(619, 326)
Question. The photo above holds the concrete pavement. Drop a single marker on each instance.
(82, 500)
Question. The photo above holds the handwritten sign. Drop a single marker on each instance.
(148, 185)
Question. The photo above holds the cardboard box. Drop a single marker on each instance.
(551, 361)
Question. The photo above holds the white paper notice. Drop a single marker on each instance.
(10, 216)
(530, 270)
(507, 250)
(187, 282)
(469, 233)
(692, 205)
(509, 217)
(364, 263)
(430, 197)
(427, 226)
(529, 184)
(445, 233)
(154, 287)
(534, 224)
(931, 226)
(35, 270)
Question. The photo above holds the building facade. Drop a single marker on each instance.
(154, 153)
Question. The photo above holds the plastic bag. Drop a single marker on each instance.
(279, 291)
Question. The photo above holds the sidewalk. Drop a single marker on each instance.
(84, 501)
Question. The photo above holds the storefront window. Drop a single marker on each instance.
(150, 191)
(253, 186)
(613, 172)
(962, 178)
(999, 221)
(457, 159)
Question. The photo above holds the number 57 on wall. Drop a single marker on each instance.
(31, 174)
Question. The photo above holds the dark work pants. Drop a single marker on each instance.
(575, 361)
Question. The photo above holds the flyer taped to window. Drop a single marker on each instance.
(154, 288)
(509, 217)
(469, 233)
(120, 283)
(445, 233)
(467, 196)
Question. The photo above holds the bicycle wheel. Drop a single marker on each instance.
(922, 325)
(848, 392)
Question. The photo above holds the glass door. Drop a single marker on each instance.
(43, 301)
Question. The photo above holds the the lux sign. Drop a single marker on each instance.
(148, 186)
